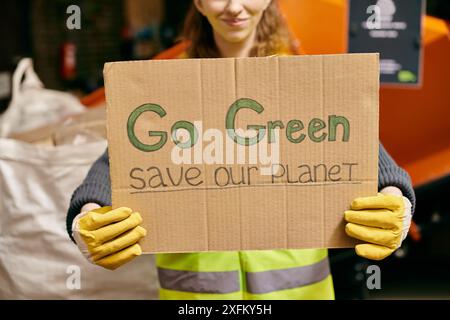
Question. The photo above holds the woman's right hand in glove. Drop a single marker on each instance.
(107, 237)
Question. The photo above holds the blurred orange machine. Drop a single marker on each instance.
(414, 123)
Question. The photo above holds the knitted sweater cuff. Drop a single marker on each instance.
(397, 177)
(85, 193)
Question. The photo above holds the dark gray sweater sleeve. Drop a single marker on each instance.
(390, 174)
(96, 187)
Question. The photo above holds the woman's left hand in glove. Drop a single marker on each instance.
(381, 222)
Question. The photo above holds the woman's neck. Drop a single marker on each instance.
(235, 49)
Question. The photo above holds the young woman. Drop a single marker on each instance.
(109, 238)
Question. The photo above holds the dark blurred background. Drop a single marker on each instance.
(111, 30)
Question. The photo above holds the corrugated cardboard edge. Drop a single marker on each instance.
(106, 72)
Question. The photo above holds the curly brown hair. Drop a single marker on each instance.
(272, 35)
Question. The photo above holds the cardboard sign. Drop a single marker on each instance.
(393, 28)
(242, 154)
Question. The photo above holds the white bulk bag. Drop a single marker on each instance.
(32, 105)
(37, 258)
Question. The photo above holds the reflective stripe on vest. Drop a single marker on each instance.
(199, 282)
(257, 282)
(282, 279)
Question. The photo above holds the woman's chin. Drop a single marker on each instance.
(236, 37)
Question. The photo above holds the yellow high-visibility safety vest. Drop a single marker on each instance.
(268, 274)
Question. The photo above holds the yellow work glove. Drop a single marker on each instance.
(381, 221)
(108, 238)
